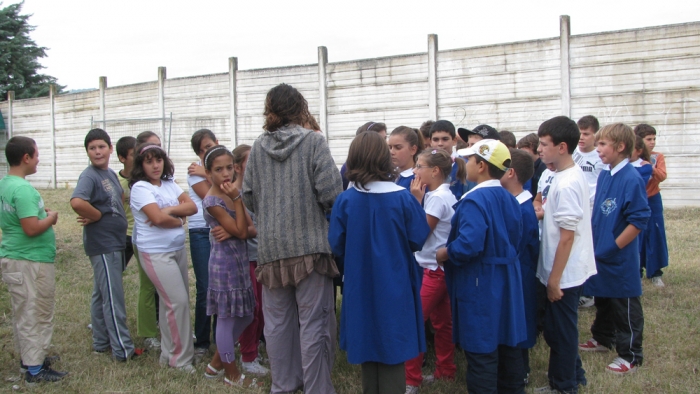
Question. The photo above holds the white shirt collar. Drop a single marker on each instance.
(618, 167)
(378, 187)
(407, 173)
(524, 197)
(454, 154)
(489, 183)
(444, 187)
(637, 163)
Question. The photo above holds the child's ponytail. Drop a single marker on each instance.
(461, 170)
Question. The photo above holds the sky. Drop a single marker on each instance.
(127, 40)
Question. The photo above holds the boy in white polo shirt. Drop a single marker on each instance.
(566, 257)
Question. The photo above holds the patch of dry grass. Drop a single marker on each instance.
(671, 332)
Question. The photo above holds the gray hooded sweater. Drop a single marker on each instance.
(290, 183)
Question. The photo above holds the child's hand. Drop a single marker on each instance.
(554, 292)
(418, 188)
(81, 220)
(539, 212)
(220, 234)
(230, 190)
(53, 215)
(441, 256)
(196, 169)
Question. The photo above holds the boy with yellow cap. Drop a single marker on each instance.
(483, 274)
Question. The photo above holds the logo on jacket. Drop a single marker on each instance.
(608, 206)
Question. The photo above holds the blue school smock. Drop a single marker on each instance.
(620, 200)
(528, 255)
(376, 233)
(483, 272)
(405, 178)
(654, 248)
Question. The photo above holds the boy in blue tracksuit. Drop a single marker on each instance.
(620, 212)
(483, 275)
(521, 169)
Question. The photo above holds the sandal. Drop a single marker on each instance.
(241, 382)
(215, 373)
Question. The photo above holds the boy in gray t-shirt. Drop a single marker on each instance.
(98, 201)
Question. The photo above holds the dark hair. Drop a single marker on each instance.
(639, 144)
(530, 141)
(371, 126)
(141, 154)
(144, 136)
(97, 134)
(523, 165)
(425, 128)
(441, 159)
(644, 130)
(494, 172)
(198, 137)
(284, 105)
(588, 122)
(313, 124)
(561, 129)
(17, 147)
(443, 125)
(369, 160)
(124, 145)
(214, 152)
(239, 156)
(411, 136)
(507, 138)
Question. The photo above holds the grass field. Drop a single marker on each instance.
(671, 332)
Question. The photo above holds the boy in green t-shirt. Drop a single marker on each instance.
(27, 253)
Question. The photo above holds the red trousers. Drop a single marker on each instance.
(250, 338)
(436, 306)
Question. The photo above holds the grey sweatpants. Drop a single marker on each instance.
(108, 310)
(300, 332)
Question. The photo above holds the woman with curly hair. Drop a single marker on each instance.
(291, 183)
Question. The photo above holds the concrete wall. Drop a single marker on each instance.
(644, 75)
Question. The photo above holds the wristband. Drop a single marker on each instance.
(239, 196)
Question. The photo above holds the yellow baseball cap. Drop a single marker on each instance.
(494, 152)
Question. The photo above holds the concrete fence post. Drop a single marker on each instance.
(161, 106)
(103, 108)
(323, 90)
(52, 104)
(233, 103)
(564, 35)
(10, 102)
(432, 76)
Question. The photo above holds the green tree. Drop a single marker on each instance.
(19, 57)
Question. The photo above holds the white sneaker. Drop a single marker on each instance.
(152, 343)
(656, 281)
(412, 389)
(254, 368)
(261, 360)
(189, 368)
(586, 302)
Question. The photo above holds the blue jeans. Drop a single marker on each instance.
(199, 251)
(561, 333)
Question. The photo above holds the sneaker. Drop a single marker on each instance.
(45, 375)
(545, 390)
(254, 368)
(189, 368)
(592, 346)
(620, 366)
(151, 343)
(101, 351)
(48, 360)
(656, 281)
(261, 360)
(585, 302)
(137, 352)
(89, 326)
(412, 389)
(428, 380)
(199, 353)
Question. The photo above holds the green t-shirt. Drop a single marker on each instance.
(20, 200)
(127, 200)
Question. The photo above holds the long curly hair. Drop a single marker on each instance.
(142, 154)
(284, 105)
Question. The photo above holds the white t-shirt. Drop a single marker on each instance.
(568, 208)
(153, 239)
(438, 204)
(544, 184)
(591, 165)
(196, 220)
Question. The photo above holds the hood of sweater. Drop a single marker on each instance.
(280, 144)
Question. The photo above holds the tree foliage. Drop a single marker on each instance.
(19, 57)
